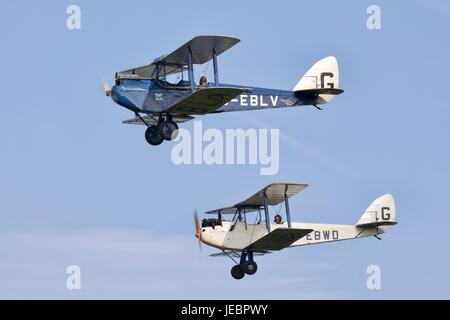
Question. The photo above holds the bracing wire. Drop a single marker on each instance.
(254, 226)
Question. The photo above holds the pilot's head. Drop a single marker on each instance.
(203, 81)
(277, 219)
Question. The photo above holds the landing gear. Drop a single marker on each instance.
(237, 272)
(164, 129)
(245, 266)
(250, 267)
(152, 136)
(168, 130)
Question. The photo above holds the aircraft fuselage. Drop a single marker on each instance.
(149, 96)
(239, 235)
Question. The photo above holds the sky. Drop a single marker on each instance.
(78, 187)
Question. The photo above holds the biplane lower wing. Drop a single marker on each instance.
(151, 121)
(278, 239)
(205, 100)
(235, 254)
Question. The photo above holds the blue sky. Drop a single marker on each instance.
(78, 187)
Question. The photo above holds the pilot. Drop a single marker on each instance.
(203, 82)
(277, 219)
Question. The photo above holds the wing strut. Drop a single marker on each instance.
(286, 204)
(191, 69)
(216, 70)
(142, 119)
(266, 211)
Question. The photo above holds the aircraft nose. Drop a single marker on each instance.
(204, 235)
(114, 93)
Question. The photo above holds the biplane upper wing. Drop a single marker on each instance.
(205, 100)
(226, 210)
(202, 49)
(274, 192)
(278, 239)
(149, 71)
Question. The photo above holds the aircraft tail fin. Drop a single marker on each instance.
(320, 84)
(381, 213)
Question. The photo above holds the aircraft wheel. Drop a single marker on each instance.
(237, 272)
(250, 267)
(152, 136)
(168, 130)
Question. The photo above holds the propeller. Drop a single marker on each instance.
(106, 88)
(198, 230)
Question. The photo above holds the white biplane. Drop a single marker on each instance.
(243, 239)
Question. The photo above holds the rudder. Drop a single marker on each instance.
(381, 213)
(320, 83)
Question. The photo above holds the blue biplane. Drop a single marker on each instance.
(160, 105)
